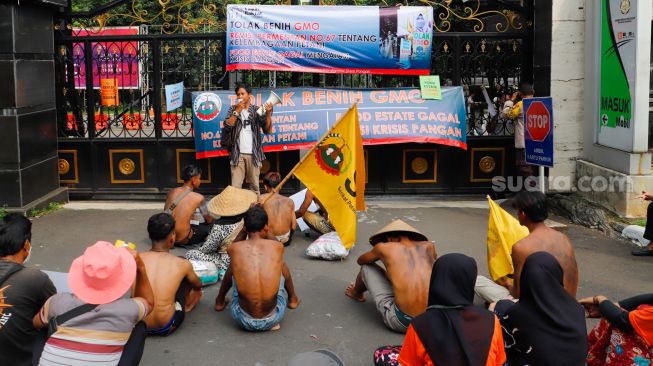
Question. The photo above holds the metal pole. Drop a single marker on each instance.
(156, 89)
(542, 179)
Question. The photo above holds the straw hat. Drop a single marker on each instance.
(102, 274)
(396, 227)
(231, 202)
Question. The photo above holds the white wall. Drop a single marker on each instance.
(567, 79)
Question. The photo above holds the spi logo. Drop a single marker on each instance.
(207, 106)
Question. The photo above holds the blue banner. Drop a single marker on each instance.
(387, 116)
(538, 131)
(330, 39)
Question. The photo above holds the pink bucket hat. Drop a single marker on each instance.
(102, 274)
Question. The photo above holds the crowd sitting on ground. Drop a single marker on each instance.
(450, 315)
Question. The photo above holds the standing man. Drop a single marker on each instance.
(23, 291)
(243, 125)
(182, 203)
(400, 291)
(516, 112)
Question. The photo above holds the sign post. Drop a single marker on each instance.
(538, 134)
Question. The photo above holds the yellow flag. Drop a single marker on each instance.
(503, 231)
(334, 171)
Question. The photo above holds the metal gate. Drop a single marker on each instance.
(137, 148)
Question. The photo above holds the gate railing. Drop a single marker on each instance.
(489, 62)
(142, 65)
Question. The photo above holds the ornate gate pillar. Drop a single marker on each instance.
(28, 142)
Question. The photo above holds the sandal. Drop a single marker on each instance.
(643, 252)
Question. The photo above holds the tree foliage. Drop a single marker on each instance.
(210, 15)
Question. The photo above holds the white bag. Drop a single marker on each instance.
(206, 271)
(636, 234)
(328, 246)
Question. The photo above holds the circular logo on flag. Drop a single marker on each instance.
(333, 154)
(3, 304)
(207, 106)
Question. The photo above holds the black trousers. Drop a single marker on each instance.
(200, 232)
(648, 232)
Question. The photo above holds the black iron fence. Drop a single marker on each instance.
(137, 146)
(142, 65)
(488, 67)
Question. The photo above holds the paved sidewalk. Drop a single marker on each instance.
(325, 318)
(374, 202)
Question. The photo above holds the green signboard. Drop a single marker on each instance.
(617, 71)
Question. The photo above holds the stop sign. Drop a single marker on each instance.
(538, 121)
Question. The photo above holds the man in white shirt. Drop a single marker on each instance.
(246, 155)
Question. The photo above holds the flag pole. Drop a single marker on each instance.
(292, 171)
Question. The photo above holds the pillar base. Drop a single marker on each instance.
(59, 195)
(613, 190)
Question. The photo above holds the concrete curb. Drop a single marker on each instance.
(384, 203)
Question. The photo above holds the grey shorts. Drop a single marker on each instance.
(380, 289)
(488, 291)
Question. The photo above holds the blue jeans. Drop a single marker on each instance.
(257, 325)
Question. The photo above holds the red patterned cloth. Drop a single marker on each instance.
(609, 345)
(387, 356)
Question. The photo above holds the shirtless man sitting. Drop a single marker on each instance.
(318, 221)
(532, 211)
(176, 287)
(182, 203)
(400, 292)
(280, 210)
(260, 277)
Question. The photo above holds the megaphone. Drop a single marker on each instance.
(273, 99)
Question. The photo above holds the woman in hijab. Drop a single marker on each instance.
(547, 325)
(452, 331)
(625, 334)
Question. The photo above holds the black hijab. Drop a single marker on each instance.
(547, 323)
(452, 330)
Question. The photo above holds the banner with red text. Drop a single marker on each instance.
(330, 39)
(117, 60)
(387, 116)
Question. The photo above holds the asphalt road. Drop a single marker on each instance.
(325, 318)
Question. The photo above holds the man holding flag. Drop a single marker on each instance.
(510, 242)
(334, 172)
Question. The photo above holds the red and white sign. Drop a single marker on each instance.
(118, 60)
(538, 121)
